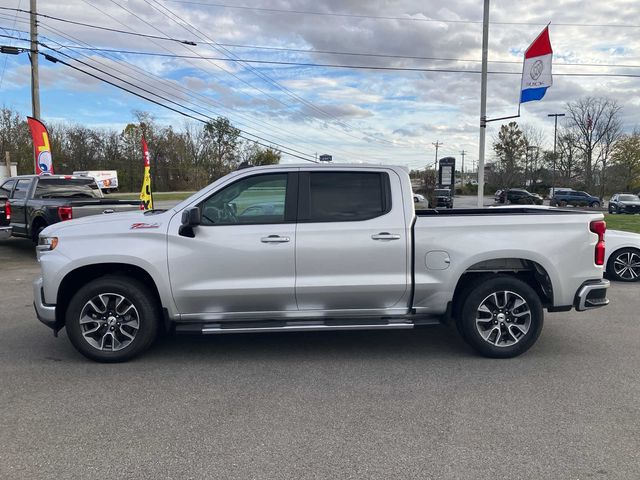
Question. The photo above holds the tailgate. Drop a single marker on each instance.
(106, 207)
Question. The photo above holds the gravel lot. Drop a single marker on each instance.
(394, 405)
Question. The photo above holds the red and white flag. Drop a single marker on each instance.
(41, 148)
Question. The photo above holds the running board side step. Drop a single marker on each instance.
(293, 326)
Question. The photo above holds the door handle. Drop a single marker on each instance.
(385, 236)
(274, 239)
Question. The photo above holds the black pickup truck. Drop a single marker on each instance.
(30, 203)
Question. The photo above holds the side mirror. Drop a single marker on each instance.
(190, 218)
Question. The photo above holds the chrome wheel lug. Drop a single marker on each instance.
(495, 322)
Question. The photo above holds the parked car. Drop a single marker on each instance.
(553, 191)
(623, 255)
(32, 202)
(420, 199)
(349, 251)
(519, 196)
(444, 198)
(563, 198)
(624, 203)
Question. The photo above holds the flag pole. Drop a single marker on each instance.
(483, 102)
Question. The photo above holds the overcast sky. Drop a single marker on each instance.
(355, 114)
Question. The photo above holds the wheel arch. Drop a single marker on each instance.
(80, 276)
(529, 271)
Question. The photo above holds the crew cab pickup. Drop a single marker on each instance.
(32, 202)
(316, 247)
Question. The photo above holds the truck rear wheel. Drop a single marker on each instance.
(501, 317)
(112, 319)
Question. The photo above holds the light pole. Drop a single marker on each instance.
(526, 163)
(435, 163)
(555, 137)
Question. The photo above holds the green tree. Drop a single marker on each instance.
(222, 140)
(510, 148)
(626, 159)
(265, 156)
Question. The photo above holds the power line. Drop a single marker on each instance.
(6, 58)
(191, 63)
(287, 105)
(384, 17)
(365, 67)
(170, 85)
(270, 80)
(100, 27)
(170, 55)
(56, 60)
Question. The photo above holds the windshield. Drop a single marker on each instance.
(629, 198)
(67, 188)
(443, 192)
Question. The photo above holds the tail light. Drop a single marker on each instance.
(7, 210)
(599, 227)
(65, 213)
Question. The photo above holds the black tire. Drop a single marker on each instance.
(594, 204)
(35, 232)
(500, 343)
(618, 259)
(145, 308)
(563, 203)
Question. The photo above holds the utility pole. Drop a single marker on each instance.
(435, 164)
(462, 153)
(483, 101)
(35, 82)
(555, 136)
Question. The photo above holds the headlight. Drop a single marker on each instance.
(47, 243)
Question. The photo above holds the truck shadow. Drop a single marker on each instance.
(17, 249)
(434, 341)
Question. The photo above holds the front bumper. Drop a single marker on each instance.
(5, 232)
(45, 313)
(592, 294)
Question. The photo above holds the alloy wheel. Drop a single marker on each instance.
(503, 318)
(109, 322)
(626, 265)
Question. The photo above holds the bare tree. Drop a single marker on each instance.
(593, 121)
(534, 139)
(568, 156)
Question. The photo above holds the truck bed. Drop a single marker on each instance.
(432, 212)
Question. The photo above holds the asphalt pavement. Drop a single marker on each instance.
(374, 405)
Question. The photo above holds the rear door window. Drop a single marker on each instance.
(6, 187)
(22, 187)
(344, 196)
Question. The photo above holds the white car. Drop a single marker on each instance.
(622, 255)
(418, 198)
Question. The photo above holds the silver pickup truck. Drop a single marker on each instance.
(316, 247)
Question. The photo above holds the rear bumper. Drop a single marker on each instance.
(592, 294)
(45, 313)
(5, 232)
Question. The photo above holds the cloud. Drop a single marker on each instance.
(387, 116)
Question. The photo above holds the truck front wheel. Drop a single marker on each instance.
(112, 319)
(501, 318)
